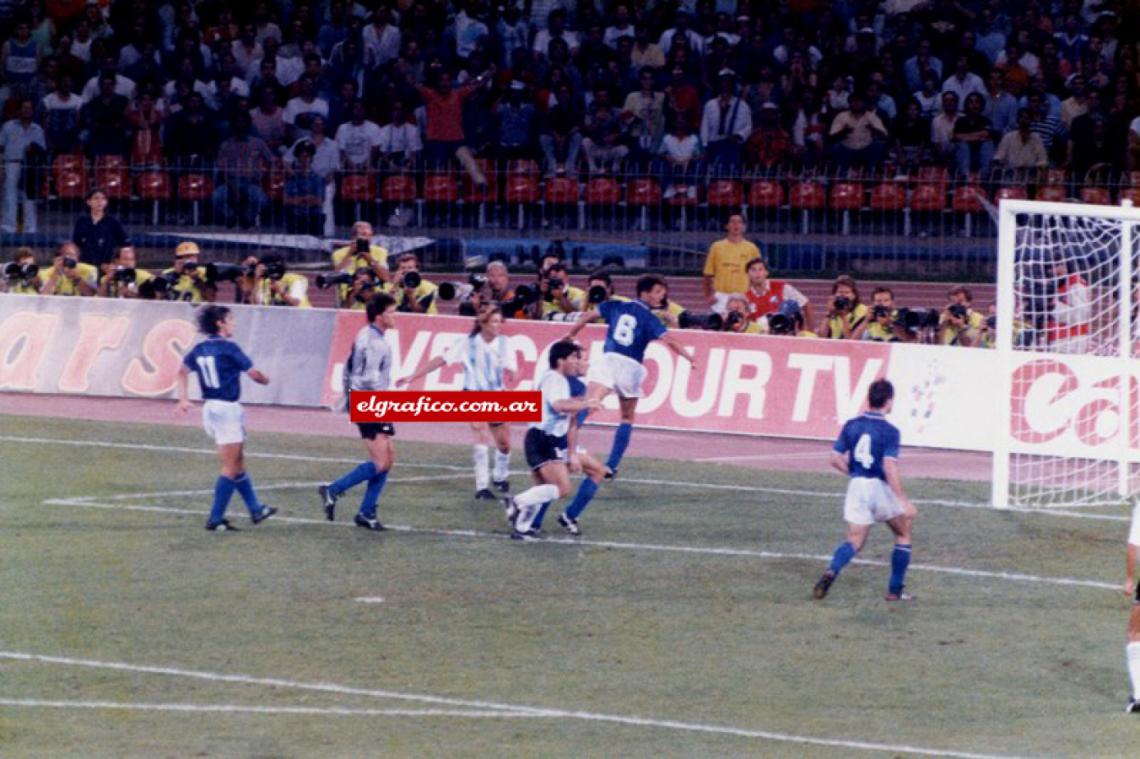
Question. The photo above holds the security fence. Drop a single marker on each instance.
(921, 222)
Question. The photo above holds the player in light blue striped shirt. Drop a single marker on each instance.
(488, 365)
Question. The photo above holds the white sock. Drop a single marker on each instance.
(502, 466)
(529, 501)
(1132, 650)
(482, 460)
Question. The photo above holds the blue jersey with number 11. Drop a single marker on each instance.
(867, 440)
(631, 327)
(218, 364)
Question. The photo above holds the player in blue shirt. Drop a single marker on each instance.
(219, 362)
(630, 327)
(867, 451)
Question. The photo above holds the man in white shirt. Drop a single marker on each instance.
(399, 143)
(358, 139)
(963, 81)
(300, 110)
(622, 27)
(15, 137)
(123, 85)
(726, 123)
(557, 30)
(382, 36)
(681, 29)
(942, 126)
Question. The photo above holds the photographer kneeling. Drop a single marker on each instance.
(414, 294)
(599, 289)
(67, 276)
(186, 280)
(788, 321)
(736, 316)
(23, 276)
(846, 313)
(121, 276)
(883, 324)
(275, 285)
(559, 297)
(360, 254)
(960, 324)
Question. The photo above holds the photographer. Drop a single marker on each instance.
(882, 326)
(274, 285)
(513, 302)
(414, 294)
(67, 276)
(788, 321)
(736, 318)
(672, 314)
(187, 280)
(600, 288)
(22, 276)
(959, 323)
(121, 276)
(360, 253)
(845, 313)
(558, 295)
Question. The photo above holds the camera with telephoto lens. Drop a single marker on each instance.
(275, 270)
(708, 321)
(878, 312)
(160, 287)
(451, 290)
(227, 272)
(842, 303)
(991, 322)
(325, 281)
(957, 310)
(597, 294)
(915, 319)
(781, 324)
(524, 296)
(411, 280)
(124, 276)
(733, 320)
(25, 272)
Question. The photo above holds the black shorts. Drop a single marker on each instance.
(369, 430)
(542, 449)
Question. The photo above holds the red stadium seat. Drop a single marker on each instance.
(104, 162)
(358, 187)
(643, 192)
(807, 196)
(928, 198)
(440, 188)
(1010, 193)
(724, 193)
(938, 175)
(561, 191)
(1098, 195)
(1131, 193)
(153, 185)
(114, 181)
(400, 188)
(968, 199)
(888, 196)
(603, 191)
(766, 193)
(682, 196)
(487, 194)
(274, 181)
(1054, 193)
(69, 162)
(521, 188)
(527, 168)
(70, 185)
(846, 196)
(1054, 177)
(195, 187)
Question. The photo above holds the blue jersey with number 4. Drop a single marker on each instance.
(218, 363)
(631, 327)
(867, 440)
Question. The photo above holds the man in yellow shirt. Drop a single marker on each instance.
(726, 268)
(121, 276)
(360, 253)
(414, 294)
(274, 286)
(960, 324)
(67, 276)
(187, 277)
(566, 299)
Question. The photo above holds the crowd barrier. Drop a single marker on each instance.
(742, 385)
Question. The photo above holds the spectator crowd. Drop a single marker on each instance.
(675, 88)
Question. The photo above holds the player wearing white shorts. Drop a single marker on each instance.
(488, 364)
(867, 451)
(1132, 650)
(218, 363)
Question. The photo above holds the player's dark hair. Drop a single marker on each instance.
(209, 317)
(563, 350)
(753, 262)
(879, 393)
(378, 304)
(602, 275)
(882, 289)
(648, 282)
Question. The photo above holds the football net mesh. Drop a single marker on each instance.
(1067, 301)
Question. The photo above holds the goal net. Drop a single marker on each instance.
(1066, 295)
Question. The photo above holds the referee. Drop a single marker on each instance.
(369, 367)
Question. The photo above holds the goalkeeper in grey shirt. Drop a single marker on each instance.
(369, 368)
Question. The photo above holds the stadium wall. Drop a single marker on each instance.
(743, 384)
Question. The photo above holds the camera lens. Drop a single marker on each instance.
(412, 279)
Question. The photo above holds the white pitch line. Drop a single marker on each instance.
(332, 711)
(260, 488)
(513, 710)
(822, 454)
(369, 599)
(654, 547)
(638, 481)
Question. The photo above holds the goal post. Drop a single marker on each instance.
(1067, 432)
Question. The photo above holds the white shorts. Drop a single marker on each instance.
(1134, 531)
(619, 373)
(869, 500)
(224, 421)
(721, 304)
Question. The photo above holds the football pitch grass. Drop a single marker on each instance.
(680, 623)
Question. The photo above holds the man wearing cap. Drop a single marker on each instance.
(188, 278)
(726, 124)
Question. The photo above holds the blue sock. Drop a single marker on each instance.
(845, 553)
(244, 486)
(621, 442)
(585, 494)
(537, 523)
(372, 494)
(223, 489)
(900, 560)
(365, 471)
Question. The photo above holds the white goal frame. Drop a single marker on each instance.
(1007, 213)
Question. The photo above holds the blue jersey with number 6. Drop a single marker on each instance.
(631, 327)
(867, 440)
(218, 363)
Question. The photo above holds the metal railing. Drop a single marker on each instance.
(925, 222)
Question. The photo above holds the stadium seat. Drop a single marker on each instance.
(724, 193)
(807, 197)
(195, 188)
(1054, 193)
(846, 196)
(521, 190)
(643, 194)
(114, 181)
(603, 191)
(274, 181)
(766, 193)
(1054, 177)
(105, 162)
(888, 196)
(1099, 195)
(155, 187)
(967, 199)
(526, 168)
(69, 173)
(487, 194)
(440, 188)
(1131, 193)
(560, 191)
(1010, 193)
(68, 162)
(928, 198)
(937, 175)
(399, 188)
